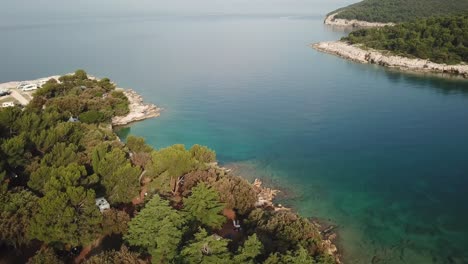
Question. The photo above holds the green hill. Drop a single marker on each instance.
(442, 40)
(401, 10)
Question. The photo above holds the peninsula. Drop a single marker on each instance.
(138, 109)
(333, 20)
(425, 45)
(69, 187)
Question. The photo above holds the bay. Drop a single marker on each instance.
(381, 153)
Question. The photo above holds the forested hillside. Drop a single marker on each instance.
(397, 11)
(441, 40)
(166, 206)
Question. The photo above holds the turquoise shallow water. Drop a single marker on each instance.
(381, 153)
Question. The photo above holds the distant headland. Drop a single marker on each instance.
(424, 45)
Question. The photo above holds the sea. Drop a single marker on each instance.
(380, 153)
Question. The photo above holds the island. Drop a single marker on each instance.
(437, 45)
(72, 192)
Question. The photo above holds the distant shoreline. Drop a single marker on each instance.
(332, 21)
(358, 54)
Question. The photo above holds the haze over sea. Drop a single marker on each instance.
(382, 154)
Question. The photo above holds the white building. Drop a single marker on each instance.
(102, 203)
(8, 104)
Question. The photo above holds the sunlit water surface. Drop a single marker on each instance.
(382, 154)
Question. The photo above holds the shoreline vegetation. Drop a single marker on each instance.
(398, 11)
(332, 20)
(361, 54)
(138, 109)
(436, 45)
(68, 185)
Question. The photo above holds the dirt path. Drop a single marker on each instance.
(15, 94)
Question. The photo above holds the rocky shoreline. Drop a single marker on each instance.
(139, 110)
(265, 200)
(331, 20)
(358, 54)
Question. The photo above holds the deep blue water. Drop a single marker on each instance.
(381, 153)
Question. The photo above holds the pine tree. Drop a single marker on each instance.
(118, 176)
(206, 249)
(157, 228)
(252, 248)
(299, 256)
(67, 217)
(16, 209)
(204, 206)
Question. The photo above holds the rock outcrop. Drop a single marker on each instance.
(359, 54)
(138, 110)
(331, 20)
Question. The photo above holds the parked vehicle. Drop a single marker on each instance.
(29, 87)
(4, 92)
(21, 85)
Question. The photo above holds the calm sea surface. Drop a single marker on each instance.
(382, 154)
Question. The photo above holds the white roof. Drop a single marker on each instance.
(102, 203)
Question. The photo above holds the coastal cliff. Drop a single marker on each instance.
(359, 54)
(331, 20)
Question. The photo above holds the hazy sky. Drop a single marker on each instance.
(109, 7)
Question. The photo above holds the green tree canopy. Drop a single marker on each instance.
(299, 256)
(236, 193)
(123, 256)
(137, 144)
(45, 256)
(70, 217)
(118, 176)
(283, 230)
(441, 39)
(47, 178)
(249, 251)
(15, 149)
(175, 160)
(115, 222)
(401, 10)
(204, 206)
(206, 249)
(158, 229)
(202, 153)
(16, 209)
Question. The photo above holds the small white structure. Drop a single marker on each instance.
(29, 87)
(102, 203)
(8, 104)
(73, 119)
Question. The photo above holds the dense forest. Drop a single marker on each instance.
(441, 40)
(397, 11)
(170, 205)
